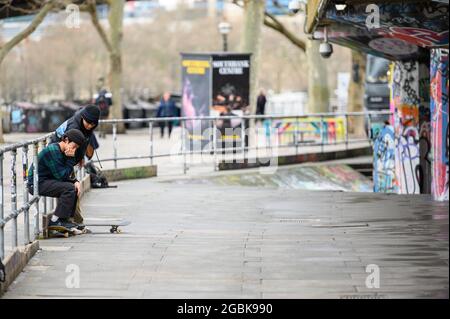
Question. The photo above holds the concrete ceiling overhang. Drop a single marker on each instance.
(407, 29)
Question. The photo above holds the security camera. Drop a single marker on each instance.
(326, 50)
(295, 6)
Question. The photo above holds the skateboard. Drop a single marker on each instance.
(61, 231)
(114, 223)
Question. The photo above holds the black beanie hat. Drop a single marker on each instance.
(75, 136)
(91, 113)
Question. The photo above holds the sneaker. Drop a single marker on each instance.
(61, 223)
(79, 226)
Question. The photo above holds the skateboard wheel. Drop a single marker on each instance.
(66, 235)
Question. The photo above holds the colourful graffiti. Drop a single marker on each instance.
(405, 107)
(384, 178)
(439, 124)
(307, 130)
(404, 29)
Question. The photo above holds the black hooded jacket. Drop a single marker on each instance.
(76, 122)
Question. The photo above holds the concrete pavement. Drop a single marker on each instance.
(218, 241)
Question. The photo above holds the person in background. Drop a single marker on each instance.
(166, 108)
(261, 103)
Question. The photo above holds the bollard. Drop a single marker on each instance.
(2, 227)
(26, 212)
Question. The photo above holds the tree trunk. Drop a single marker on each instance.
(356, 93)
(318, 93)
(115, 68)
(251, 42)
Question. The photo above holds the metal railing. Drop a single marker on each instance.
(322, 128)
(301, 124)
(18, 208)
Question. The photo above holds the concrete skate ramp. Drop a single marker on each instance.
(336, 177)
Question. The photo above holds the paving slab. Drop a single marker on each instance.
(218, 241)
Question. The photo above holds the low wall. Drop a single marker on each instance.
(120, 174)
(296, 159)
(16, 262)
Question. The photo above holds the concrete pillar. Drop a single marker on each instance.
(439, 124)
(410, 105)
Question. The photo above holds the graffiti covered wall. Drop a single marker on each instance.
(439, 123)
(405, 108)
(384, 179)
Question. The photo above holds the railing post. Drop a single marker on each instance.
(44, 211)
(14, 198)
(183, 145)
(2, 227)
(26, 213)
(114, 132)
(242, 137)
(150, 129)
(346, 131)
(369, 127)
(297, 125)
(215, 144)
(36, 187)
(322, 135)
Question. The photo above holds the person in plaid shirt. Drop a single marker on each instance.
(55, 167)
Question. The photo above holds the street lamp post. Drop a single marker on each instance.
(224, 29)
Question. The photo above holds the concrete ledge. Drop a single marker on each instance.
(296, 159)
(15, 263)
(85, 185)
(130, 173)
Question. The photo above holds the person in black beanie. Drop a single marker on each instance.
(56, 179)
(85, 120)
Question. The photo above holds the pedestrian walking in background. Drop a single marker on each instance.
(166, 108)
(261, 104)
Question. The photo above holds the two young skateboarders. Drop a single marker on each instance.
(55, 177)
(72, 140)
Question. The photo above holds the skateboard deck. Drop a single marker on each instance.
(60, 231)
(114, 223)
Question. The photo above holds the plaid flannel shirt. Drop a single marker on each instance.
(53, 164)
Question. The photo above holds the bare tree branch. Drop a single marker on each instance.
(276, 25)
(273, 23)
(37, 20)
(91, 8)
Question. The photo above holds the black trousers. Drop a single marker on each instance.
(65, 192)
(162, 125)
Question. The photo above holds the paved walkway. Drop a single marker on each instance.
(212, 241)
